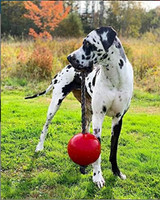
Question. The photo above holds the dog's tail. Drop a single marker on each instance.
(44, 92)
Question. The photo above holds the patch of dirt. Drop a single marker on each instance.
(149, 110)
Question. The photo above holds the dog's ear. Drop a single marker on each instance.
(107, 36)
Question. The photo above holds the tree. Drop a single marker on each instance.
(86, 17)
(46, 17)
(74, 6)
(70, 27)
(93, 14)
(125, 17)
(13, 20)
(132, 11)
(150, 20)
(114, 15)
(101, 13)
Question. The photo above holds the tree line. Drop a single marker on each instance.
(128, 18)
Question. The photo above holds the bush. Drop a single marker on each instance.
(34, 61)
(41, 62)
(70, 27)
(152, 36)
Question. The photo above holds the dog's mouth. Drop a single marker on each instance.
(80, 67)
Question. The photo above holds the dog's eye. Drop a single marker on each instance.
(87, 44)
(86, 47)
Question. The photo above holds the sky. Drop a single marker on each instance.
(150, 4)
(146, 4)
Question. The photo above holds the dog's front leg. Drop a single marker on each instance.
(97, 127)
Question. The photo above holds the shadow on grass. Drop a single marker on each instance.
(68, 179)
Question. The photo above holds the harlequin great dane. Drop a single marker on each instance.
(109, 86)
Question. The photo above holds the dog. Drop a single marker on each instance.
(109, 88)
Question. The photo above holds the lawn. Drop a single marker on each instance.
(50, 174)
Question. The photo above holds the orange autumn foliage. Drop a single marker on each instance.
(46, 16)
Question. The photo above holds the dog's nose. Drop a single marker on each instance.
(69, 58)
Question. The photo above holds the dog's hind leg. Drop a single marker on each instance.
(51, 112)
(64, 83)
(116, 129)
(88, 120)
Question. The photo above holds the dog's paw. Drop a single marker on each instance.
(122, 176)
(39, 147)
(98, 180)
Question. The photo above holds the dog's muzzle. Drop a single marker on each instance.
(75, 63)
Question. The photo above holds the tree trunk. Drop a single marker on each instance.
(93, 14)
(101, 13)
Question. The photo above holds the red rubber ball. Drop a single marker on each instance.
(84, 149)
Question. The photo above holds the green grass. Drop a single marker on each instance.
(51, 175)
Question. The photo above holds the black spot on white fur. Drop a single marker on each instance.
(121, 50)
(55, 81)
(104, 109)
(76, 83)
(118, 115)
(87, 58)
(99, 54)
(94, 80)
(60, 101)
(120, 98)
(118, 45)
(121, 63)
(68, 67)
(99, 50)
(105, 56)
(96, 131)
(95, 60)
(89, 85)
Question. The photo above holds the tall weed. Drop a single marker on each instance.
(144, 56)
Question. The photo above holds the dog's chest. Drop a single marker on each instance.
(103, 83)
(104, 92)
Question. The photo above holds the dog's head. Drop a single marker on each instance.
(94, 49)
